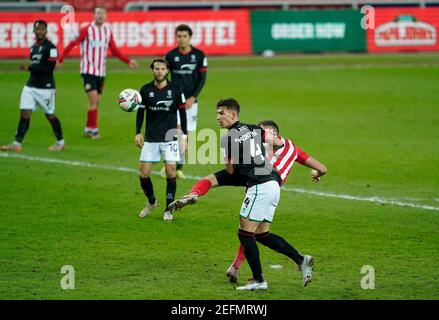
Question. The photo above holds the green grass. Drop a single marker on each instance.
(373, 120)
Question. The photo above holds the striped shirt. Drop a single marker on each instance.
(95, 41)
(284, 158)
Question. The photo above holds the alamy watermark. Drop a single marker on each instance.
(368, 281)
(67, 282)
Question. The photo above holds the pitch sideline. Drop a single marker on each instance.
(373, 199)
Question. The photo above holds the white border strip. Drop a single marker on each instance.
(373, 199)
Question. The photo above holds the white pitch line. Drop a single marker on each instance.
(373, 199)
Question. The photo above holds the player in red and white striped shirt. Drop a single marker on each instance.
(95, 39)
(282, 161)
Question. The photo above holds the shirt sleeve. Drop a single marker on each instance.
(181, 105)
(115, 50)
(202, 75)
(141, 113)
(302, 156)
(83, 33)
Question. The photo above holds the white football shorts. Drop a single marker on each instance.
(191, 116)
(152, 151)
(261, 201)
(32, 98)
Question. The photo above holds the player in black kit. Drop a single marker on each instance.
(188, 67)
(39, 90)
(161, 100)
(245, 155)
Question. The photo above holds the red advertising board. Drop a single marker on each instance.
(136, 33)
(404, 29)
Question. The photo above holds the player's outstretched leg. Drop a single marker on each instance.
(199, 189)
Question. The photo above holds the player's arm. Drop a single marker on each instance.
(202, 75)
(319, 169)
(139, 140)
(183, 120)
(83, 33)
(118, 54)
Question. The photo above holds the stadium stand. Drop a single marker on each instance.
(127, 5)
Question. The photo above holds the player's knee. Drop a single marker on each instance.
(144, 175)
(51, 117)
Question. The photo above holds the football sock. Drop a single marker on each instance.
(251, 253)
(171, 188)
(240, 257)
(23, 126)
(201, 187)
(148, 189)
(92, 119)
(56, 127)
(279, 244)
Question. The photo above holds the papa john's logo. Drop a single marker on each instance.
(405, 30)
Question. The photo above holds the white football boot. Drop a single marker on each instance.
(182, 202)
(306, 269)
(167, 216)
(254, 285)
(147, 210)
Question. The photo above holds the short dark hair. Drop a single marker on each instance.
(160, 60)
(230, 104)
(269, 123)
(44, 23)
(183, 27)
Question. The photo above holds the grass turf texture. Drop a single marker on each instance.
(373, 120)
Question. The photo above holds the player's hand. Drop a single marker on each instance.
(133, 64)
(138, 140)
(315, 175)
(23, 67)
(189, 102)
(59, 64)
(183, 143)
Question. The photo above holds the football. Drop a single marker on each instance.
(129, 100)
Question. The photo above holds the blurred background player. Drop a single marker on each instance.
(39, 90)
(160, 99)
(95, 39)
(282, 161)
(188, 69)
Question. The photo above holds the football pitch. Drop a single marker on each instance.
(373, 120)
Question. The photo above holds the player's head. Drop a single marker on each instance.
(183, 34)
(227, 112)
(40, 29)
(160, 69)
(270, 127)
(100, 15)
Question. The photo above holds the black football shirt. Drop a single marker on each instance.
(243, 145)
(188, 70)
(43, 55)
(160, 107)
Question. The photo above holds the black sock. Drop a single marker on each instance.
(171, 188)
(251, 252)
(279, 244)
(148, 189)
(56, 127)
(179, 166)
(23, 126)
